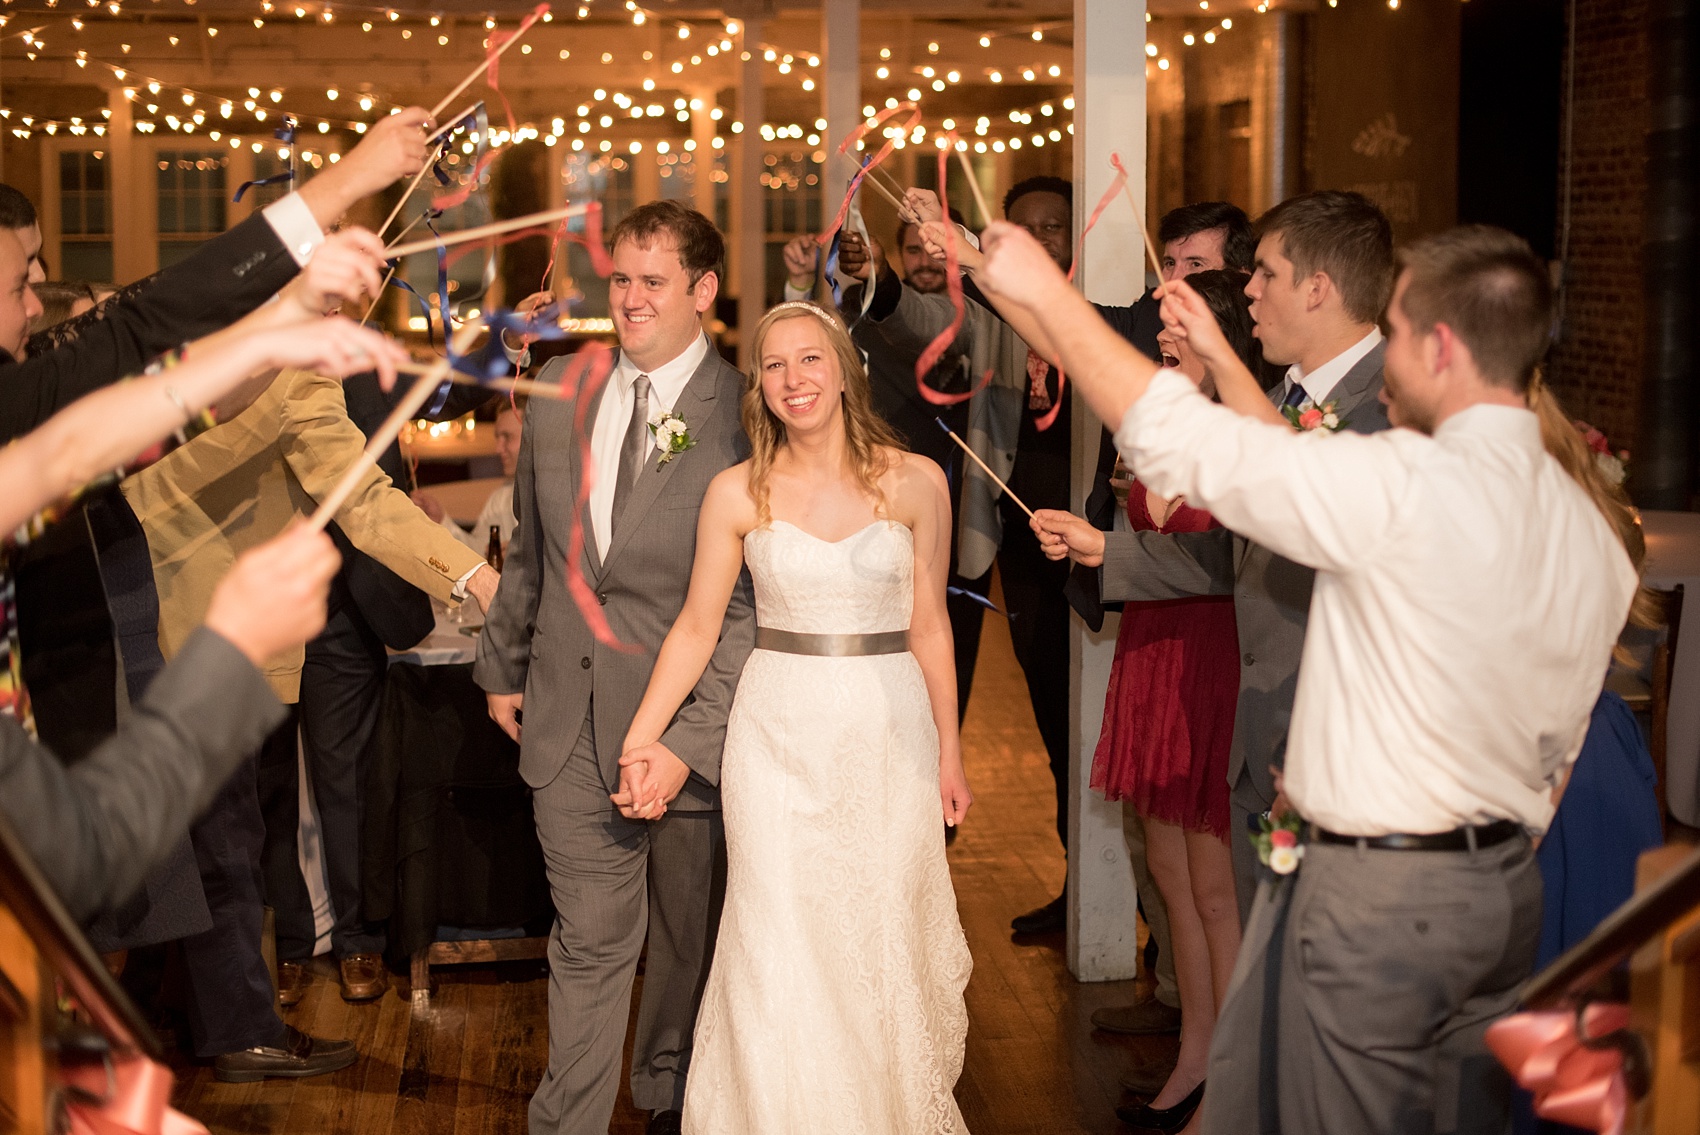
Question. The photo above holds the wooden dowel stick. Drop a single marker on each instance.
(489, 57)
(390, 275)
(527, 386)
(495, 228)
(405, 194)
(974, 184)
(903, 210)
(387, 433)
(996, 480)
(1139, 219)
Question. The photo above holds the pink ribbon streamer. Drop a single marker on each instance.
(1571, 1083)
(935, 350)
(1116, 184)
(140, 1103)
(880, 155)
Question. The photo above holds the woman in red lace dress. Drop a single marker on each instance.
(1168, 725)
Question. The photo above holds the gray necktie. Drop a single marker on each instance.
(633, 448)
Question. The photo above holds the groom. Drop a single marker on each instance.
(613, 874)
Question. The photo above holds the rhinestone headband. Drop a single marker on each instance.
(814, 309)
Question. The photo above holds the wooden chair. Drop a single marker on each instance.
(1664, 661)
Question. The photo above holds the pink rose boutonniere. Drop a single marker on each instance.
(1308, 416)
(1277, 843)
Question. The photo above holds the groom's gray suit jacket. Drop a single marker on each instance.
(536, 640)
(1271, 599)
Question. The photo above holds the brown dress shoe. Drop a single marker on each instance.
(291, 983)
(299, 1055)
(1146, 1018)
(363, 977)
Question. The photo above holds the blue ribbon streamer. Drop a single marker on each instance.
(285, 134)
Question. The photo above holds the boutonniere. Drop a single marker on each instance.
(1277, 842)
(1308, 416)
(672, 436)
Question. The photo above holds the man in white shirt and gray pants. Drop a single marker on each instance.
(1467, 598)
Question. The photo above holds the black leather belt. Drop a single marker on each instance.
(1458, 839)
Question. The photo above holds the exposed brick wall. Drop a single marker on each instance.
(1597, 362)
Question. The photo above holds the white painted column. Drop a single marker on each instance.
(841, 96)
(749, 220)
(1109, 115)
(134, 251)
(702, 158)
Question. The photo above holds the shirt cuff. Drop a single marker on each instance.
(293, 222)
(520, 358)
(794, 294)
(459, 591)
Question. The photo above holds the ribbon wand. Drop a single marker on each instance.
(391, 428)
(490, 57)
(996, 480)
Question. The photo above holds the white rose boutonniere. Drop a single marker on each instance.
(672, 436)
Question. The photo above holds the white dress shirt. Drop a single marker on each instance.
(293, 222)
(498, 513)
(666, 383)
(1468, 594)
(1320, 383)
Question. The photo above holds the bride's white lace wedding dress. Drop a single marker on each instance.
(835, 999)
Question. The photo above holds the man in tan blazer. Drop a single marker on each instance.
(234, 486)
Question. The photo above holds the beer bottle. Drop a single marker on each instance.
(493, 553)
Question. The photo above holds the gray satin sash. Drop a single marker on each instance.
(832, 645)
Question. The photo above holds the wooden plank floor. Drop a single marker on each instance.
(1034, 1063)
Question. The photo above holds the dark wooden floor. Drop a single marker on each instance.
(1033, 1065)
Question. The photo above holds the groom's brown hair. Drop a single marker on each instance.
(701, 248)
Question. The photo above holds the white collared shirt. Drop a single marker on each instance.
(666, 383)
(1468, 594)
(293, 222)
(1320, 383)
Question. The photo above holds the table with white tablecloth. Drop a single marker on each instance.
(1673, 557)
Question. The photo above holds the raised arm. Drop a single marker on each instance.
(1187, 316)
(110, 427)
(727, 514)
(922, 502)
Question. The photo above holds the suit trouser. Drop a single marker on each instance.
(1244, 801)
(967, 617)
(1038, 628)
(611, 879)
(342, 692)
(231, 1002)
(1363, 991)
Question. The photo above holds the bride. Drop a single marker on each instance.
(835, 999)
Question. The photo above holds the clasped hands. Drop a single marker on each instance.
(650, 777)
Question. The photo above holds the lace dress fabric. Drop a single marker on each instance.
(835, 1002)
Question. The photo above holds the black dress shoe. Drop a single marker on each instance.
(1164, 1119)
(667, 1122)
(299, 1055)
(1048, 919)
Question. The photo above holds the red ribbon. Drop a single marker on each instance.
(930, 357)
(139, 1103)
(1571, 1083)
(880, 155)
(1116, 184)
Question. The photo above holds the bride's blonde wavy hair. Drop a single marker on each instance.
(870, 441)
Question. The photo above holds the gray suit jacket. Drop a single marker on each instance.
(536, 640)
(96, 829)
(1271, 596)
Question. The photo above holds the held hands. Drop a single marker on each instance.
(1062, 534)
(1016, 268)
(801, 255)
(650, 777)
(273, 600)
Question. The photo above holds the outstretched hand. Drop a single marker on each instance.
(348, 265)
(334, 347)
(936, 235)
(859, 258)
(1016, 268)
(1065, 535)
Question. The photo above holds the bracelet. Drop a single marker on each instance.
(177, 400)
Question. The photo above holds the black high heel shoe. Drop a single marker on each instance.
(1167, 1119)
